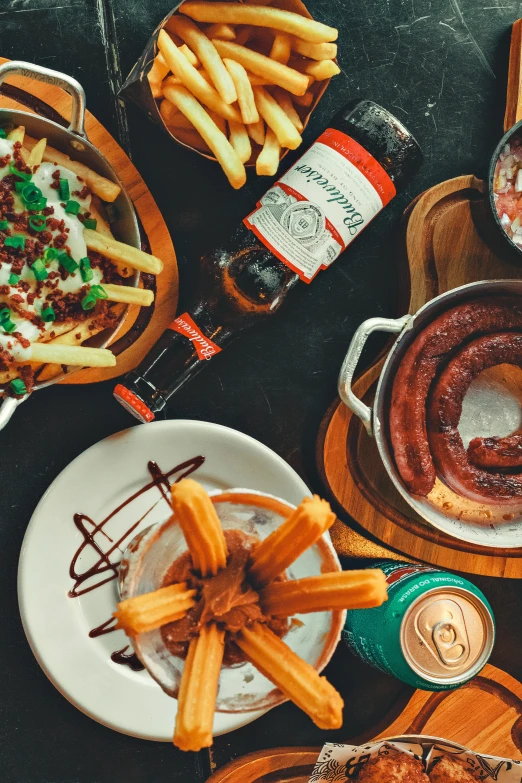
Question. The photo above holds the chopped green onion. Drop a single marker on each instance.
(67, 262)
(39, 270)
(21, 174)
(48, 314)
(88, 301)
(18, 386)
(50, 253)
(5, 321)
(31, 193)
(99, 292)
(20, 185)
(16, 241)
(37, 206)
(5, 314)
(65, 193)
(85, 269)
(3, 134)
(37, 222)
(13, 279)
(3, 224)
(90, 223)
(72, 207)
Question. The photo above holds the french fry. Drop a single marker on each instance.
(17, 134)
(243, 35)
(280, 50)
(158, 71)
(118, 251)
(315, 51)
(192, 79)
(75, 355)
(97, 211)
(240, 140)
(155, 89)
(319, 69)
(258, 2)
(259, 81)
(144, 613)
(285, 102)
(220, 122)
(34, 158)
(207, 54)
(275, 118)
(103, 187)
(245, 94)
(304, 100)
(256, 131)
(82, 331)
(172, 115)
(240, 13)
(128, 295)
(292, 80)
(216, 140)
(189, 54)
(224, 31)
(268, 159)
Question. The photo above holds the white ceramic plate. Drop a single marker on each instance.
(95, 484)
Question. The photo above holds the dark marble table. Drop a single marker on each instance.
(441, 66)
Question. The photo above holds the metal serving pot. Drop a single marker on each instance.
(73, 142)
(492, 404)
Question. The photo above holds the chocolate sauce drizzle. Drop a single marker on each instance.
(104, 570)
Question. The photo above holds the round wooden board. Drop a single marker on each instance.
(485, 715)
(54, 100)
(443, 249)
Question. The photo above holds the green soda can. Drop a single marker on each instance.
(436, 630)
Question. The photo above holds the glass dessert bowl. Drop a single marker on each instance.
(148, 565)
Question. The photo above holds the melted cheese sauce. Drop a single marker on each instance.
(75, 246)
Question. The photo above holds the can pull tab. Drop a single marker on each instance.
(442, 627)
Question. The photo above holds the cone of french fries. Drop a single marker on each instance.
(235, 81)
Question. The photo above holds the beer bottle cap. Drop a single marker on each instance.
(132, 403)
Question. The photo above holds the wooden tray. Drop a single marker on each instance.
(443, 249)
(53, 103)
(485, 715)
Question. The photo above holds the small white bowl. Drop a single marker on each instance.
(242, 687)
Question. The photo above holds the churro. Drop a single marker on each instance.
(197, 517)
(152, 610)
(198, 689)
(279, 550)
(294, 677)
(345, 590)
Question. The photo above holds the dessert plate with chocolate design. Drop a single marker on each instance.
(69, 563)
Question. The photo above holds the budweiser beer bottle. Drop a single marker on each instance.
(300, 226)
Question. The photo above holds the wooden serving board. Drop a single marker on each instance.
(443, 249)
(485, 715)
(53, 103)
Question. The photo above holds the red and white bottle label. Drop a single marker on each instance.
(184, 324)
(320, 205)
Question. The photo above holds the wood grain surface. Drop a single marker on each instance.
(444, 249)
(485, 715)
(152, 223)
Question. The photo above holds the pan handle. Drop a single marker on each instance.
(351, 359)
(8, 407)
(67, 83)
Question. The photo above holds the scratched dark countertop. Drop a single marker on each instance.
(441, 66)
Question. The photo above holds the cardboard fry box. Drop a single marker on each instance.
(136, 87)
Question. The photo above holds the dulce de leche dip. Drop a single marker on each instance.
(227, 599)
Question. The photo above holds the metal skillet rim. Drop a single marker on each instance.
(506, 138)
(71, 136)
(380, 433)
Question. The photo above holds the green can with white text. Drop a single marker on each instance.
(435, 632)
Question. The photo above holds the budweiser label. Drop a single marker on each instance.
(320, 205)
(184, 324)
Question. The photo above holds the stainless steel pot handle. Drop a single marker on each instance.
(49, 76)
(352, 357)
(8, 407)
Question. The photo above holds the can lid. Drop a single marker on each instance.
(133, 403)
(447, 635)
